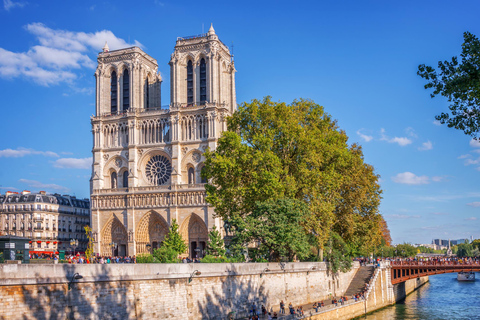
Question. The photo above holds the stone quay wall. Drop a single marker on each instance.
(162, 291)
(381, 294)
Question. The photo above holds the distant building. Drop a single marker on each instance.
(49, 220)
(445, 243)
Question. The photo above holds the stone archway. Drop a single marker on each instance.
(150, 231)
(114, 232)
(195, 233)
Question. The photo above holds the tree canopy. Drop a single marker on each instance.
(274, 151)
(459, 82)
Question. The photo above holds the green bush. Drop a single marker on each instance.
(166, 255)
(146, 258)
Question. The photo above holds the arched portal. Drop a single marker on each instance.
(114, 238)
(195, 233)
(150, 232)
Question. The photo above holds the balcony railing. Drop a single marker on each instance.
(150, 188)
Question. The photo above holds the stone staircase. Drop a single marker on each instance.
(363, 275)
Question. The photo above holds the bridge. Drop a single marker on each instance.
(405, 270)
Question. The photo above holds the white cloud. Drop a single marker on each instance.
(474, 204)
(60, 53)
(9, 4)
(365, 137)
(436, 122)
(471, 219)
(44, 186)
(464, 156)
(439, 213)
(410, 178)
(402, 141)
(403, 216)
(73, 163)
(22, 152)
(8, 188)
(474, 143)
(426, 146)
(411, 132)
(438, 178)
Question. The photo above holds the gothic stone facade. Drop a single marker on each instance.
(147, 159)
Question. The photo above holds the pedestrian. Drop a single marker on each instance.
(264, 310)
(282, 307)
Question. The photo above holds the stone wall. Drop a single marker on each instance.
(161, 291)
(381, 294)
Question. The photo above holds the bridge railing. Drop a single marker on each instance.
(434, 263)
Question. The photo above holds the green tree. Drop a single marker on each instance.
(459, 82)
(405, 250)
(464, 250)
(277, 151)
(338, 254)
(215, 245)
(89, 251)
(173, 241)
(277, 226)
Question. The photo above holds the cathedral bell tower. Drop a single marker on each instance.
(148, 159)
(202, 70)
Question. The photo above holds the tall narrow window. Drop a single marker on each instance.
(113, 92)
(147, 94)
(126, 90)
(113, 180)
(190, 82)
(125, 179)
(191, 176)
(203, 179)
(203, 81)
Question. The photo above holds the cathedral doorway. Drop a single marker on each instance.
(151, 231)
(195, 232)
(114, 238)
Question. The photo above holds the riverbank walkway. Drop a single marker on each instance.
(359, 286)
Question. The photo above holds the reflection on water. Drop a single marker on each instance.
(443, 297)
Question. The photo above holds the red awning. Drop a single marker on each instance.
(29, 241)
(40, 252)
(56, 252)
(39, 241)
(54, 242)
(48, 242)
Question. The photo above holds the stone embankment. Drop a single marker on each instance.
(180, 291)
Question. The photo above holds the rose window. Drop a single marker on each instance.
(158, 170)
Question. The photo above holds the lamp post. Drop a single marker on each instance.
(113, 245)
(74, 244)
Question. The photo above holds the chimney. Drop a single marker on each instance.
(24, 192)
(43, 192)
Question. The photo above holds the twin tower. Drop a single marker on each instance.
(148, 158)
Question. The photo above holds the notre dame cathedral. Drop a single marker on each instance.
(147, 159)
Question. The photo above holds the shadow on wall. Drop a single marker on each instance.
(92, 298)
(234, 297)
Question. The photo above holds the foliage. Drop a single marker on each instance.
(405, 250)
(277, 151)
(166, 254)
(459, 82)
(464, 250)
(277, 228)
(146, 258)
(215, 245)
(174, 241)
(385, 233)
(89, 252)
(1, 258)
(214, 259)
(338, 254)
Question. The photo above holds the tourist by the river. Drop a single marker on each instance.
(282, 307)
(292, 309)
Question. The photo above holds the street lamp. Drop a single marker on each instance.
(113, 245)
(74, 244)
(76, 276)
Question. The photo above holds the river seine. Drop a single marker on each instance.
(443, 297)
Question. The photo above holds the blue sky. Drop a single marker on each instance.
(356, 58)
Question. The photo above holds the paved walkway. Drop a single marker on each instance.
(307, 309)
